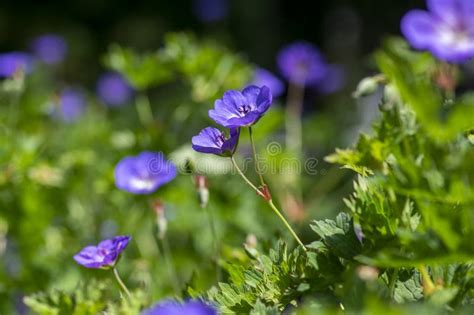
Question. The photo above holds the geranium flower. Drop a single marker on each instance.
(446, 30)
(12, 62)
(72, 104)
(241, 109)
(144, 173)
(263, 77)
(113, 89)
(49, 48)
(190, 307)
(301, 63)
(212, 140)
(104, 255)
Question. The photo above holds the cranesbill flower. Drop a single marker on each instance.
(12, 62)
(104, 255)
(264, 77)
(241, 109)
(190, 307)
(49, 48)
(72, 104)
(301, 63)
(212, 140)
(144, 173)
(113, 89)
(446, 30)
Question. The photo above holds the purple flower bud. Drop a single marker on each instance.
(446, 30)
(301, 63)
(144, 173)
(104, 255)
(113, 89)
(264, 77)
(210, 10)
(13, 62)
(241, 109)
(190, 307)
(50, 48)
(72, 104)
(212, 140)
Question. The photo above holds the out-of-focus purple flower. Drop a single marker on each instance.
(446, 30)
(212, 140)
(210, 10)
(72, 104)
(104, 255)
(49, 48)
(12, 62)
(144, 173)
(264, 77)
(241, 109)
(113, 89)
(301, 63)
(333, 81)
(190, 307)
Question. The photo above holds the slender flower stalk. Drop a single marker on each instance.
(255, 157)
(120, 282)
(269, 201)
(294, 110)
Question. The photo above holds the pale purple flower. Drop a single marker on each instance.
(49, 48)
(71, 103)
(104, 255)
(212, 140)
(113, 89)
(190, 307)
(210, 10)
(301, 63)
(144, 173)
(263, 77)
(446, 29)
(333, 81)
(13, 62)
(241, 109)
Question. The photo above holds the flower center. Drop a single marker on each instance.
(244, 109)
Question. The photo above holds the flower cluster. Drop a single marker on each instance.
(446, 30)
(236, 109)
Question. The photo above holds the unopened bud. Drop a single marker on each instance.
(161, 222)
(366, 87)
(202, 190)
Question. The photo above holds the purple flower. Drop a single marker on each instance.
(190, 307)
(446, 30)
(301, 63)
(241, 109)
(71, 104)
(144, 173)
(333, 81)
(12, 62)
(210, 10)
(104, 255)
(264, 77)
(212, 140)
(49, 48)
(113, 89)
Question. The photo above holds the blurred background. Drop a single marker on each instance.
(57, 191)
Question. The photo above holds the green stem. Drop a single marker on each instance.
(214, 242)
(294, 109)
(288, 226)
(170, 264)
(393, 282)
(255, 158)
(270, 203)
(245, 178)
(120, 282)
